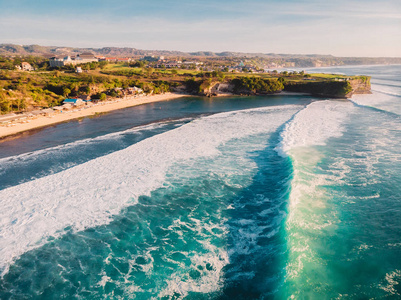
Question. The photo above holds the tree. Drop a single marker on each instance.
(102, 64)
(102, 97)
(20, 104)
(137, 64)
(74, 87)
(66, 91)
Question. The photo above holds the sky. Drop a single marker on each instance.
(337, 27)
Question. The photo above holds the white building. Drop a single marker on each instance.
(26, 66)
(67, 60)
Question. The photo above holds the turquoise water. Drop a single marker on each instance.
(295, 198)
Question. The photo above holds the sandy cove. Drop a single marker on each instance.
(101, 107)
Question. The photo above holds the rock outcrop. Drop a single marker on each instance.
(343, 88)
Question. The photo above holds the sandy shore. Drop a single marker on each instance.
(43, 121)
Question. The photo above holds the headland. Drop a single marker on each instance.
(36, 91)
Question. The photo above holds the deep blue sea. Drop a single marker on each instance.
(276, 197)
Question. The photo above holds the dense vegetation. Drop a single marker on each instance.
(29, 90)
(326, 88)
(256, 85)
(48, 87)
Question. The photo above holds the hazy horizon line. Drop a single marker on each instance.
(187, 52)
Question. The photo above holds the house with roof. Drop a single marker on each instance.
(26, 66)
(73, 101)
(57, 61)
(85, 57)
(132, 91)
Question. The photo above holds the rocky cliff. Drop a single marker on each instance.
(344, 88)
(360, 85)
(332, 88)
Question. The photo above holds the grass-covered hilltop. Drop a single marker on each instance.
(33, 82)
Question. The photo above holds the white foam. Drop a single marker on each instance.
(391, 93)
(308, 211)
(89, 194)
(379, 100)
(209, 281)
(392, 280)
(315, 124)
(69, 146)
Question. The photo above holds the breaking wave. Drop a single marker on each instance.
(89, 194)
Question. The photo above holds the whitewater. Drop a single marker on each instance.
(243, 198)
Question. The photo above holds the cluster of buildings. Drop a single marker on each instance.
(129, 91)
(169, 64)
(240, 67)
(86, 57)
(162, 62)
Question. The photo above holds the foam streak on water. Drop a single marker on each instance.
(89, 194)
(25, 167)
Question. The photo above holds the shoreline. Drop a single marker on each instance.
(40, 122)
(18, 128)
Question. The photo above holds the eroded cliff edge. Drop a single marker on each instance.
(334, 88)
(343, 87)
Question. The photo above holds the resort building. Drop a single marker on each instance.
(74, 101)
(68, 60)
(86, 57)
(60, 62)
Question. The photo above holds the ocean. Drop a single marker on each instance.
(269, 197)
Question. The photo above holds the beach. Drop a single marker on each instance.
(101, 107)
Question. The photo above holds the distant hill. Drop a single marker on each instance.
(298, 60)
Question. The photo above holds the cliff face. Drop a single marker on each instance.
(332, 88)
(360, 85)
